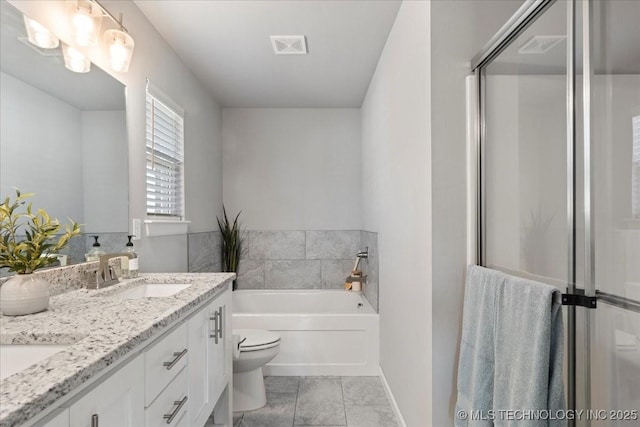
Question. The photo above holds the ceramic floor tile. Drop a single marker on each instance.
(320, 402)
(369, 416)
(278, 412)
(363, 391)
(281, 384)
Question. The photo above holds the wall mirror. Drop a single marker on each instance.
(63, 137)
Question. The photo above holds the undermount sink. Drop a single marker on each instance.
(153, 290)
(17, 357)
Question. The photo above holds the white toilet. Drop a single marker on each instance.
(257, 347)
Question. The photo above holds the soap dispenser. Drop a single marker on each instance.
(95, 252)
(130, 267)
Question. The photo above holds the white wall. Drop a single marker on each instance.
(459, 30)
(293, 169)
(41, 134)
(105, 171)
(154, 59)
(396, 149)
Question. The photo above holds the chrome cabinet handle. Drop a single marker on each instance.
(172, 415)
(94, 420)
(214, 335)
(220, 325)
(178, 355)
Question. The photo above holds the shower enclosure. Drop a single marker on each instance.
(558, 173)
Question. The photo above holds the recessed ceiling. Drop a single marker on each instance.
(227, 45)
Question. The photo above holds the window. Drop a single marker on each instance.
(635, 172)
(165, 158)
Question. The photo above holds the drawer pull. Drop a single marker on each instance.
(178, 356)
(94, 420)
(171, 416)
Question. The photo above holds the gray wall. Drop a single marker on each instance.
(293, 169)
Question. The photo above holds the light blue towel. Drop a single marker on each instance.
(510, 352)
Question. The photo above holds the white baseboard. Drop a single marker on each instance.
(394, 404)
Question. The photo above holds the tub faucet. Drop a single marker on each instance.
(363, 254)
(106, 275)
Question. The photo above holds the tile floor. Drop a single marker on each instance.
(321, 402)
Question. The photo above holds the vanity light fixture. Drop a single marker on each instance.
(74, 60)
(85, 18)
(38, 35)
(120, 46)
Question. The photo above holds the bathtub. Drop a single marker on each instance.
(323, 332)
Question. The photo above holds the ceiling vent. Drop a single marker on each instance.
(289, 45)
(540, 44)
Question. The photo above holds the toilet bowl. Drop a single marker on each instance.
(256, 348)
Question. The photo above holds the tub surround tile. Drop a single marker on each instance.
(368, 416)
(251, 274)
(369, 267)
(335, 272)
(113, 327)
(204, 252)
(278, 412)
(276, 245)
(281, 384)
(332, 244)
(320, 402)
(292, 274)
(363, 391)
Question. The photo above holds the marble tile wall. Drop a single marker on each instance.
(80, 245)
(204, 252)
(305, 260)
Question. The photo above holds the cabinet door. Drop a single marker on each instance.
(218, 369)
(199, 329)
(117, 402)
(208, 366)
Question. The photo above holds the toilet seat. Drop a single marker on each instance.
(256, 339)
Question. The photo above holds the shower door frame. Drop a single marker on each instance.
(526, 15)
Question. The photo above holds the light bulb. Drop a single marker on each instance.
(120, 45)
(74, 60)
(40, 36)
(86, 18)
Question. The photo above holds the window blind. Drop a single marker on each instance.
(165, 158)
(635, 172)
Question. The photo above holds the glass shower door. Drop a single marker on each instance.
(613, 126)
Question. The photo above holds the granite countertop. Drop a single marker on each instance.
(101, 327)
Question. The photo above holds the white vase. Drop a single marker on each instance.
(24, 294)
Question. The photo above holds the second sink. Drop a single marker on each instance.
(153, 290)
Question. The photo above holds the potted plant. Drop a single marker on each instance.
(232, 247)
(26, 241)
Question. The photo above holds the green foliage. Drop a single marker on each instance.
(231, 242)
(22, 251)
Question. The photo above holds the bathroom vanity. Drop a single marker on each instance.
(150, 351)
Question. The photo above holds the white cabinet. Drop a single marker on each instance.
(118, 401)
(59, 418)
(178, 380)
(209, 367)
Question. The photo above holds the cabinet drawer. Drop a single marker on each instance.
(170, 403)
(163, 361)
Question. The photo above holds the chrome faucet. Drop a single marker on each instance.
(106, 275)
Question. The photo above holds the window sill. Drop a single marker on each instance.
(165, 227)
